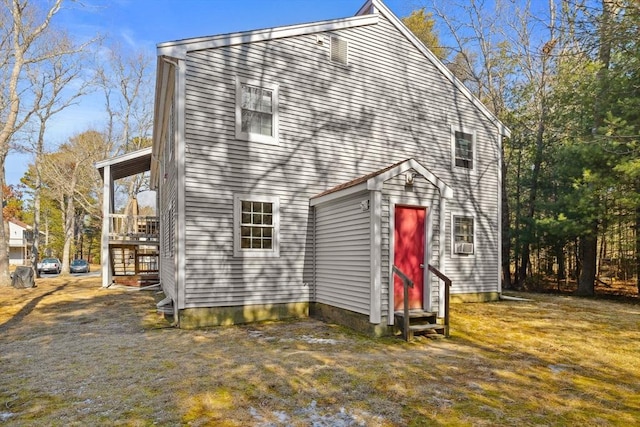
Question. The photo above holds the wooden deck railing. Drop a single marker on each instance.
(134, 227)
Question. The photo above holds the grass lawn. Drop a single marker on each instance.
(72, 353)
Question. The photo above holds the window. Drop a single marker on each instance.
(168, 229)
(171, 131)
(256, 226)
(339, 49)
(256, 111)
(464, 149)
(463, 236)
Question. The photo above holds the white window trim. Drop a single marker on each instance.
(253, 137)
(471, 132)
(453, 234)
(238, 251)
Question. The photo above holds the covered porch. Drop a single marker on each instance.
(130, 241)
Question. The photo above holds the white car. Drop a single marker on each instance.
(50, 265)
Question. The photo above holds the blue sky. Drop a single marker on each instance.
(141, 24)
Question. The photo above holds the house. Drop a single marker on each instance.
(296, 166)
(20, 241)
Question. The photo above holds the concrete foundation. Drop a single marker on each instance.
(475, 297)
(350, 319)
(192, 318)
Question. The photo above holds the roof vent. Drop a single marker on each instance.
(339, 49)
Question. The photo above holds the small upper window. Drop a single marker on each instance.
(339, 50)
(256, 111)
(463, 149)
(463, 235)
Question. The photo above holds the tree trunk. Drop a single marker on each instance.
(637, 224)
(35, 254)
(5, 278)
(562, 273)
(69, 222)
(577, 259)
(518, 216)
(506, 235)
(589, 252)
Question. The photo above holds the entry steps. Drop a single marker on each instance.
(420, 322)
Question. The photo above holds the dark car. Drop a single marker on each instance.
(50, 265)
(79, 266)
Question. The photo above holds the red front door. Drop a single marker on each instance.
(408, 248)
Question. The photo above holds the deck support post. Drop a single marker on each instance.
(107, 207)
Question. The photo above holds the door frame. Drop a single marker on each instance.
(427, 302)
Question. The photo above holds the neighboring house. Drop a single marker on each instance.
(20, 241)
(295, 166)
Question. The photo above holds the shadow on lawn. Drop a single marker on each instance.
(306, 371)
(552, 375)
(28, 308)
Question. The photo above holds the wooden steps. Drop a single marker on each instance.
(420, 322)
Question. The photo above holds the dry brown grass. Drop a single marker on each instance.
(72, 353)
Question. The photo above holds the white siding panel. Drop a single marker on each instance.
(343, 264)
(167, 196)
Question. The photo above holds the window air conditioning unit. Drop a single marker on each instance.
(463, 248)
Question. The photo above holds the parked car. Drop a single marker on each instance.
(79, 266)
(50, 265)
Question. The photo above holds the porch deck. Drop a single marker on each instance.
(134, 230)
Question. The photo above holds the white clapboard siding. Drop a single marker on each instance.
(343, 262)
(336, 123)
(168, 194)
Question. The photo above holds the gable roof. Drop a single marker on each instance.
(19, 223)
(375, 180)
(178, 49)
(368, 14)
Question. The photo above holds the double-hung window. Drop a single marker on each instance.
(256, 111)
(463, 148)
(257, 225)
(463, 235)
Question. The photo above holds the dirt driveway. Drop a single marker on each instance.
(72, 353)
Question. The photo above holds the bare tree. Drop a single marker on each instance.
(127, 81)
(23, 25)
(72, 178)
(507, 54)
(51, 81)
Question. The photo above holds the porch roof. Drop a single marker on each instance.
(374, 181)
(127, 164)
